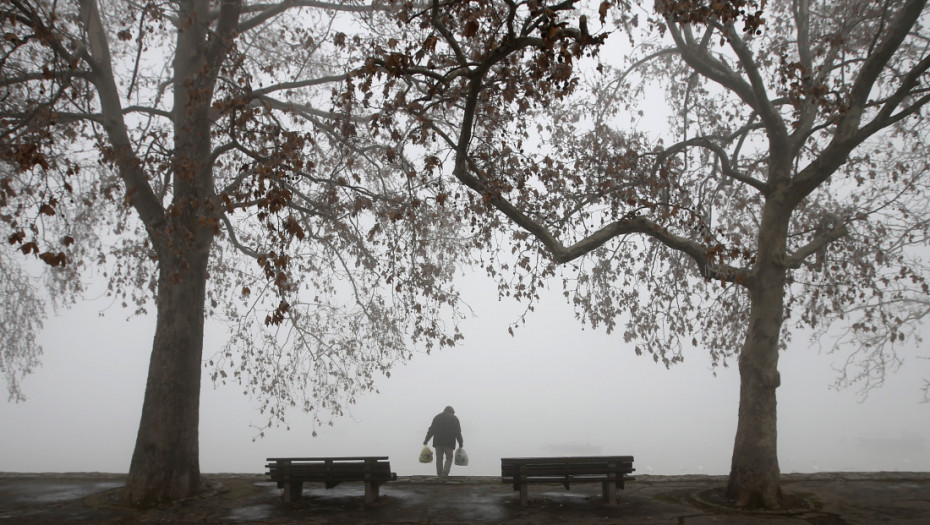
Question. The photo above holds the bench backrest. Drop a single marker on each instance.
(566, 466)
(329, 468)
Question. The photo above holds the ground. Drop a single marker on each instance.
(815, 499)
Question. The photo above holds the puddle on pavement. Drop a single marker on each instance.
(465, 506)
(56, 492)
(252, 513)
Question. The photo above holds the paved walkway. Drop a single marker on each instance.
(822, 499)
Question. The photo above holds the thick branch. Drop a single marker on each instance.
(298, 84)
(846, 138)
(264, 12)
(818, 243)
(697, 56)
(146, 110)
(872, 67)
(138, 191)
(446, 34)
(222, 38)
(557, 250)
(760, 102)
(306, 110)
(886, 115)
(40, 76)
(809, 109)
(725, 163)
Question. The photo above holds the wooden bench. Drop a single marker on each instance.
(291, 473)
(610, 471)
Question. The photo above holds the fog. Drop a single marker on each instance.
(553, 389)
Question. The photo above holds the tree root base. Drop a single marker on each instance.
(716, 499)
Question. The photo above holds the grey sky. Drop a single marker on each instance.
(553, 389)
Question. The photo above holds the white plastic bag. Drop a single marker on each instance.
(426, 455)
(461, 457)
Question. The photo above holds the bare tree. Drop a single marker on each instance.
(189, 150)
(790, 191)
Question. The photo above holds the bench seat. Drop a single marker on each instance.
(291, 473)
(611, 471)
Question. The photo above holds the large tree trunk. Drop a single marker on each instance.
(165, 463)
(755, 478)
(754, 472)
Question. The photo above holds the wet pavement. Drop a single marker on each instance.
(816, 499)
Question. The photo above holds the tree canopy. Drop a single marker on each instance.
(312, 172)
(188, 153)
(788, 190)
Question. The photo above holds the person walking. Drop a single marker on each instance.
(445, 431)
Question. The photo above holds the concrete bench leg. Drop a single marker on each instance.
(610, 492)
(372, 491)
(292, 491)
(524, 495)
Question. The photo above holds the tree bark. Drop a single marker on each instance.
(165, 463)
(754, 473)
(755, 477)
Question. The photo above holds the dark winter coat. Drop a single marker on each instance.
(445, 430)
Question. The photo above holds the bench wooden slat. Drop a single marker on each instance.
(323, 469)
(572, 469)
(565, 459)
(575, 479)
(334, 458)
(611, 471)
(291, 473)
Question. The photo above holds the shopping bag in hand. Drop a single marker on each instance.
(461, 458)
(426, 455)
